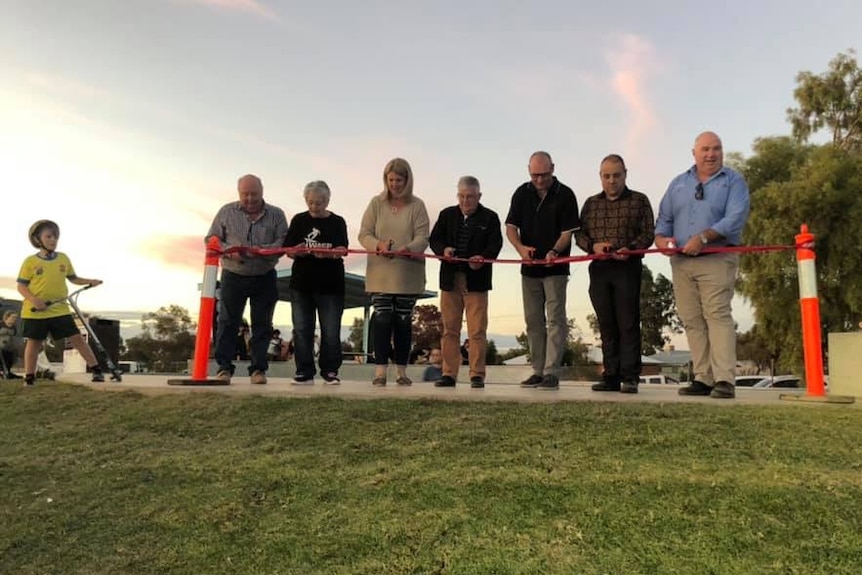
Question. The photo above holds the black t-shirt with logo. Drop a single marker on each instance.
(317, 274)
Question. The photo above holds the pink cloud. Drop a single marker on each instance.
(185, 252)
(249, 6)
(10, 283)
(632, 62)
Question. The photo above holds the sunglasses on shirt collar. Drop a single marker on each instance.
(698, 192)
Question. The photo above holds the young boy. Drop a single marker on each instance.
(42, 284)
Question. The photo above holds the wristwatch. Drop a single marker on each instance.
(704, 239)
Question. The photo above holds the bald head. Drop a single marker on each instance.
(541, 169)
(250, 190)
(708, 154)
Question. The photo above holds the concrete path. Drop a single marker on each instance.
(568, 391)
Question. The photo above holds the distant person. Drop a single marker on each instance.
(317, 285)
(465, 352)
(467, 231)
(274, 349)
(705, 206)
(542, 217)
(418, 355)
(247, 223)
(242, 341)
(434, 371)
(614, 222)
(8, 348)
(395, 229)
(42, 284)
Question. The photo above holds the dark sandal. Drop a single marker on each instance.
(404, 380)
(379, 381)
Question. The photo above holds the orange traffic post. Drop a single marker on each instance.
(809, 306)
(205, 320)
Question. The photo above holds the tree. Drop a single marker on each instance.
(819, 186)
(755, 345)
(492, 356)
(356, 333)
(658, 313)
(575, 352)
(831, 100)
(427, 326)
(167, 340)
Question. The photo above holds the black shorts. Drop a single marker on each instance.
(59, 327)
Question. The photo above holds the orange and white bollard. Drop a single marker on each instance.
(809, 305)
(205, 320)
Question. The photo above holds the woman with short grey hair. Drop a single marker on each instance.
(317, 284)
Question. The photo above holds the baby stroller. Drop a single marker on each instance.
(95, 344)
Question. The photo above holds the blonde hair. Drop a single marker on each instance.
(9, 313)
(401, 167)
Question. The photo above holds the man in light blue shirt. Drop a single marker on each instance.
(705, 206)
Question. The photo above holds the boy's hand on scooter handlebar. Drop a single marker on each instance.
(38, 305)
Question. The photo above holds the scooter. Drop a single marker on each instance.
(72, 299)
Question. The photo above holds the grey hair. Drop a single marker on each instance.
(317, 186)
(469, 181)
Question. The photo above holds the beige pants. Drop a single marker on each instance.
(703, 289)
(454, 305)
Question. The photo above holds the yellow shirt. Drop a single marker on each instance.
(46, 278)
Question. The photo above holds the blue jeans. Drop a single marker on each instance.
(329, 308)
(393, 327)
(262, 293)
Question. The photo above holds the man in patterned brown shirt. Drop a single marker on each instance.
(614, 222)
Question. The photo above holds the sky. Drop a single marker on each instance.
(129, 122)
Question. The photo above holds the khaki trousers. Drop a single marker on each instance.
(454, 305)
(703, 289)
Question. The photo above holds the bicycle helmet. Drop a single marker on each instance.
(37, 229)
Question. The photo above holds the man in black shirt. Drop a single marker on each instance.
(542, 217)
(468, 231)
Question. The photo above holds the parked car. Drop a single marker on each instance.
(659, 379)
(778, 381)
(748, 380)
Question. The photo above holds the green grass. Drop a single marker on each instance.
(116, 483)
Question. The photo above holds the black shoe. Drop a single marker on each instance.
(303, 379)
(550, 381)
(629, 386)
(695, 388)
(30, 380)
(476, 383)
(98, 377)
(607, 384)
(532, 381)
(445, 381)
(331, 378)
(723, 390)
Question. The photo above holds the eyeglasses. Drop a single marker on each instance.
(698, 192)
(541, 175)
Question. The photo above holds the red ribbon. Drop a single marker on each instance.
(571, 259)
